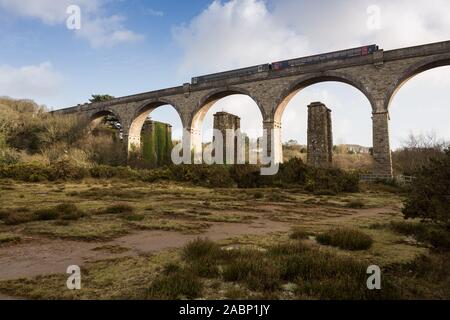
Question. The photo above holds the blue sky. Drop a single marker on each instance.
(127, 47)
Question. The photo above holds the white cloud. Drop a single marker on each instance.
(48, 11)
(106, 32)
(235, 34)
(98, 29)
(33, 81)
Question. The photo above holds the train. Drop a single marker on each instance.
(281, 65)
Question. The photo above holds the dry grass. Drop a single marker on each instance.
(289, 265)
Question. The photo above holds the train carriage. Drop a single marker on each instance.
(281, 65)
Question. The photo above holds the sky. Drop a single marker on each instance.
(126, 47)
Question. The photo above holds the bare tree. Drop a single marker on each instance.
(417, 151)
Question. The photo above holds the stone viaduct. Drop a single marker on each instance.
(378, 76)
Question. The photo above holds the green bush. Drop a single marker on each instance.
(291, 174)
(246, 176)
(255, 270)
(295, 171)
(69, 211)
(200, 249)
(108, 172)
(204, 267)
(176, 285)
(332, 181)
(347, 239)
(428, 198)
(436, 235)
(215, 176)
(64, 211)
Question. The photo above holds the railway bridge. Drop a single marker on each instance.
(378, 75)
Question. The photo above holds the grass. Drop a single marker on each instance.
(119, 209)
(64, 211)
(9, 238)
(201, 248)
(279, 265)
(347, 239)
(16, 216)
(149, 223)
(114, 249)
(299, 234)
(90, 229)
(175, 285)
(433, 234)
(356, 204)
(245, 273)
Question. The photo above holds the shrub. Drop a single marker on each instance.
(246, 176)
(355, 204)
(347, 239)
(200, 249)
(46, 214)
(204, 267)
(171, 268)
(294, 171)
(108, 172)
(17, 216)
(66, 170)
(176, 285)
(428, 198)
(332, 180)
(216, 176)
(436, 235)
(253, 269)
(258, 195)
(69, 211)
(64, 211)
(119, 209)
(299, 234)
(134, 217)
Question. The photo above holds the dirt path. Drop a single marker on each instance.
(42, 256)
(154, 241)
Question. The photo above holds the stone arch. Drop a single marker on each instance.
(95, 118)
(296, 86)
(412, 71)
(140, 115)
(207, 101)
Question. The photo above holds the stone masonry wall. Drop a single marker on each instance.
(224, 121)
(320, 140)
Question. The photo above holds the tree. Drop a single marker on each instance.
(429, 198)
(417, 151)
(100, 98)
